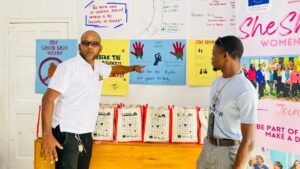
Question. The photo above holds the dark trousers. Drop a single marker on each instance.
(279, 87)
(295, 87)
(286, 90)
(261, 88)
(69, 157)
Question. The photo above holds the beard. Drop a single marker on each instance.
(94, 57)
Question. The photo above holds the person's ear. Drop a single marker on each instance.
(226, 55)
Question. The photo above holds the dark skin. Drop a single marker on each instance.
(88, 53)
(229, 66)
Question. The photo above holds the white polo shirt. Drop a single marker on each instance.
(77, 107)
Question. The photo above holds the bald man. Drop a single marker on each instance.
(76, 85)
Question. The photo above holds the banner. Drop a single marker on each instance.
(269, 27)
(278, 125)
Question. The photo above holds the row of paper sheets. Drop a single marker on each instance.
(151, 124)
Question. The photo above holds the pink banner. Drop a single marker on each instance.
(278, 125)
(270, 28)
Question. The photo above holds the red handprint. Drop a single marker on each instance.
(138, 49)
(178, 47)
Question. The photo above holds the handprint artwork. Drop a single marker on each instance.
(178, 53)
(138, 50)
(161, 65)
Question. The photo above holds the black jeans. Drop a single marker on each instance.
(69, 157)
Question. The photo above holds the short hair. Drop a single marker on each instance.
(278, 164)
(259, 156)
(231, 44)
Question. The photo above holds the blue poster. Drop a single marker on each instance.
(165, 61)
(50, 53)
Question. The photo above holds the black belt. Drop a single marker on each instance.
(223, 142)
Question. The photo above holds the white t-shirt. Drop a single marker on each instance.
(237, 103)
(80, 87)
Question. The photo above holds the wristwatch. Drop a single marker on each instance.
(133, 68)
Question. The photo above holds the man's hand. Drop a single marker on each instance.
(49, 143)
(138, 68)
(138, 50)
(178, 47)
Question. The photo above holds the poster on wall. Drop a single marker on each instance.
(164, 61)
(200, 71)
(210, 19)
(115, 52)
(49, 54)
(110, 18)
(160, 19)
(271, 27)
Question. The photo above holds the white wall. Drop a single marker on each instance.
(138, 94)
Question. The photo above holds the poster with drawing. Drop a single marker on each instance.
(200, 70)
(164, 61)
(115, 52)
(49, 54)
(157, 124)
(129, 124)
(104, 129)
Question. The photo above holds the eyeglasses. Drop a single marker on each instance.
(219, 41)
(88, 43)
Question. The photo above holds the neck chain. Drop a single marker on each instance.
(218, 92)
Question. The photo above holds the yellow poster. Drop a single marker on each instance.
(115, 52)
(199, 69)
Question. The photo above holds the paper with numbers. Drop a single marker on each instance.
(129, 124)
(185, 125)
(157, 125)
(104, 129)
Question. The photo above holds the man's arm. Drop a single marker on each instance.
(246, 146)
(125, 69)
(48, 141)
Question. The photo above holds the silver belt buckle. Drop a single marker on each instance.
(218, 142)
